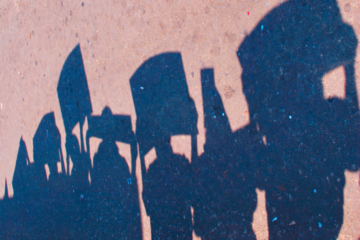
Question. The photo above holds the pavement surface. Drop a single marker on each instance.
(180, 119)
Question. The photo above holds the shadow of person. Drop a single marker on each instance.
(114, 188)
(164, 109)
(47, 146)
(80, 163)
(225, 188)
(167, 194)
(47, 190)
(309, 141)
(77, 185)
(16, 208)
(78, 181)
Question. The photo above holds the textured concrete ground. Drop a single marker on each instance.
(116, 38)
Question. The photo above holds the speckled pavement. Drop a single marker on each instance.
(257, 154)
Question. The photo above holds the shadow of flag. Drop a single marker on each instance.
(73, 91)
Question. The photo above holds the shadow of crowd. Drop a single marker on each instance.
(296, 146)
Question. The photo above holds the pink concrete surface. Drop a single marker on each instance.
(116, 37)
